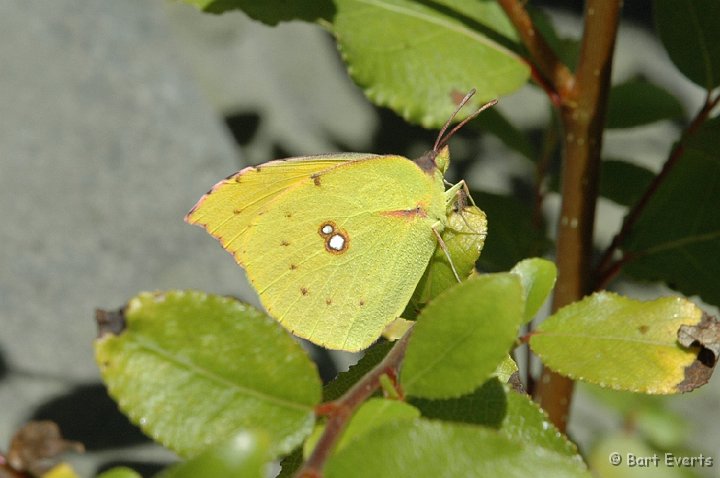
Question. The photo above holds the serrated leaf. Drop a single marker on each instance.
(371, 414)
(120, 472)
(462, 335)
(526, 422)
(442, 449)
(418, 57)
(345, 380)
(513, 237)
(513, 414)
(624, 344)
(271, 12)
(246, 454)
(638, 102)
(464, 237)
(538, 279)
(192, 368)
(623, 182)
(688, 30)
(676, 238)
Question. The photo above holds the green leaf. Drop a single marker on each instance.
(120, 472)
(345, 380)
(419, 58)
(538, 279)
(513, 414)
(371, 414)
(526, 422)
(464, 237)
(462, 335)
(191, 369)
(622, 343)
(442, 449)
(638, 102)
(246, 454)
(271, 12)
(676, 238)
(688, 29)
(487, 405)
(623, 182)
(512, 236)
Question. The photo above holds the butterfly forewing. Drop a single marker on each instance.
(229, 208)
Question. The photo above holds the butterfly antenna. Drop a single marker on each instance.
(462, 103)
(442, 141)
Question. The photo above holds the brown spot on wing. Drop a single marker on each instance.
(293, 267)
(417, 211)
(303, 290)
(328, 301)
(362, 302)
(643, 329)
(285, 243)
(316, 179)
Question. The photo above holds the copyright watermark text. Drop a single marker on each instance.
(655, 460)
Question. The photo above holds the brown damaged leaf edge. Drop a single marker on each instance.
(705, 337)
(36, 448)
(110, 322)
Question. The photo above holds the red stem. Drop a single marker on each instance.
(341, 410)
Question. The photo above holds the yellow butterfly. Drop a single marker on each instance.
(334, 244)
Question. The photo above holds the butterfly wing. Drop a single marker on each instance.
(229, 208)
(336, 257)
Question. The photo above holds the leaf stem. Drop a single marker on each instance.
(608, 268)
(582, 115)
(341, 410)
(550, 73)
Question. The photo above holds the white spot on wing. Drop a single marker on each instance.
(336, 242)
(327, 229)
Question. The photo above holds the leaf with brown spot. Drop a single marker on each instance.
(625, 344)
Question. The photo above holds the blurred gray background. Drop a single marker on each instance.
(116, 116)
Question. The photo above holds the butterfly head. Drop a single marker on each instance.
(438, 158)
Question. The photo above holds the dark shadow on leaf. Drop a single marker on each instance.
(471, 23)
(486, 406)
(88, 415)
(323, 360)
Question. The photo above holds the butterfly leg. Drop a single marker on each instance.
(458, 192)
(443, 246)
